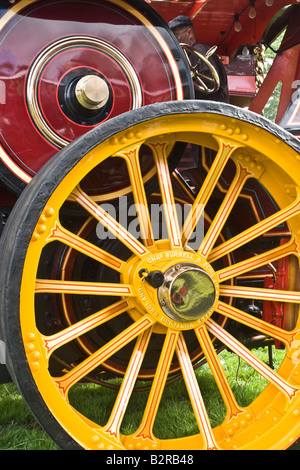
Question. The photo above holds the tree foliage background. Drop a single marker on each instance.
(270, 110)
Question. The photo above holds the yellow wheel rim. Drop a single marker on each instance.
(271, 421)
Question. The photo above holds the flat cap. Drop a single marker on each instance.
(180, 20)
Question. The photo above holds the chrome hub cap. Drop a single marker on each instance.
(92, 92)
(188, 292)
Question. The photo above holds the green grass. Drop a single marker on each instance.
(20, 431)
(18, 428)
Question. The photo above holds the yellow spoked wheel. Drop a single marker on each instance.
(97, 295)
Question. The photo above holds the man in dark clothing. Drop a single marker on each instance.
(183, 29)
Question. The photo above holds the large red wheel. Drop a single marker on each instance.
(82, 62)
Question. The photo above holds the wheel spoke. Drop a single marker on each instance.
(78, 287)
(233, 408)
(68, 380)
(286, 337)
(108, 222)
(195, 394)
(255, 231)
(260, 293)
(133, 164)
(61, 234)
(217, 224)
(93, 321)
(161, 160)
(184, 188)
(161, 374)
(290, 248)
(113, 425)
(225, 150)
(251, 359)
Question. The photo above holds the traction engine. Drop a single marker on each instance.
(145, 232)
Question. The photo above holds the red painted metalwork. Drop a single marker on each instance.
(275, 312)
(287, 60)
(215, 24)
(215, 21)
(129, 50)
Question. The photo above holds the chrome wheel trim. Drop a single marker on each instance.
(32, 83)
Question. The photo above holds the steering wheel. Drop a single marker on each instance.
(199, 78)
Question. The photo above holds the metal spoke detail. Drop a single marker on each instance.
(260, 293)
(255, 231)
(145, 431)
(217, 224)
(51, 343)
(61, 234)
(108, 222)
(161, 160)
(113, 425)
(200, 78)
(290, 248)
(251, 359)
(225, 151)
(195, 394)
(70, 378)
(249, 320)
(232, 407)
(78, 287)
(133, 164)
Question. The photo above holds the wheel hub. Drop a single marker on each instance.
(188, 295)
(188, 292)
(92, 92)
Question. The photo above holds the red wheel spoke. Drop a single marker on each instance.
(68, 380)
(195, 394)
(108, 222)
(233, 408)
(61, 234)
(68, 334)
(255, 231)
(251, 359)
(113, 425)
